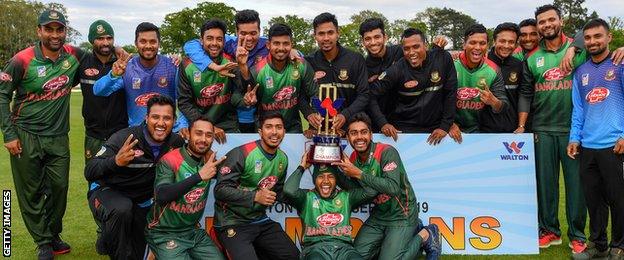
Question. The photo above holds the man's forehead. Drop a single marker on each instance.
(54, 25)
(248, 27)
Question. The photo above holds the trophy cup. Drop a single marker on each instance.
(326, 147)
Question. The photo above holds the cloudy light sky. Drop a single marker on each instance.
(124, 15)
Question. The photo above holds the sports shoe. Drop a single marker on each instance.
(45, 252)
(616, 254)
(591, 252)
(433, 245)
(547, 238)
(577, 246)
(59, 246)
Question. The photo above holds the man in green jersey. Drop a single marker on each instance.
(546, 92)
(390, 231)
(528, 38)
(181, 188)
(285, 85)
(250, 179)
(480, 88)
(35, 130)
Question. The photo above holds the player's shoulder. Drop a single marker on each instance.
(24, 56)
(173, 158)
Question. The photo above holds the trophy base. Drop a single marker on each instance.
(325, 154)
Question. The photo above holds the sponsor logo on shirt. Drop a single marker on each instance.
(597, 95)
(225, 170)
(390, 166)
(410, 84)
(381, 199)
(91, 72)
(610, 75)
(267, 182)
(338, 202)
(514, 152)
(5, 77)
(142, 99)
(212, 91)
(329, 219)
(194, 195)
(467, 93)
(319, 75)
(284, 94)
(553, 74)
(585, 79)
(138, 153)
(55, 83)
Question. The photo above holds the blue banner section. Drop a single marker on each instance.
(481, 193)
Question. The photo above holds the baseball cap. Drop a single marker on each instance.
(51, 16)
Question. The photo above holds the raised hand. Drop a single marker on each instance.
(250, 98)
(315, 120)
(126, 153)
(219, 135)
(242, 54)
(119, 67)
(209, 169)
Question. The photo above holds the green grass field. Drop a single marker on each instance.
(79, 228)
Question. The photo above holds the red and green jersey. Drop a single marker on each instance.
(182, 213)
(246, 169)
(470, 82)
(546, 91)
(43, 88)
(519, 53)
(287, 91)
(209, 94)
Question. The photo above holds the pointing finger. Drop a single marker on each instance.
(220, 160)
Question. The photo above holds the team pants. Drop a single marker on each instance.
(40, 174)
(190, 244)
(122, 223)
(266, 240)
(338, 250)
(550, 152)
(91, 147)
(603, 183)
(388, 242)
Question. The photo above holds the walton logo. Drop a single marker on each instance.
(514, 149)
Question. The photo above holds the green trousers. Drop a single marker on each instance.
(387, 242)
(91, 147)
(550, 153)
(41, 175)
(338, 250)
(191, 244)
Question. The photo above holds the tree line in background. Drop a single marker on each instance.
(19, 19)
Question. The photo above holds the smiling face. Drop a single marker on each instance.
(374, 42)
(549, 24)
(279, 47)
(325, 184)
(326, 36)
(103, 45)
(528, 37)
(250, 32)
(147, 45)
(475, 47)
(212, 42)
(159, 122)
(505, 43)
(597, 40)
(272, 133)
(359, 136)
(414, 50)
(52, 36)
(201, 135)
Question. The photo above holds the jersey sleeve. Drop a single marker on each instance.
(103, 163)
(279, 186)
(10, 78)
(358, 196)
(361, 100)
(498, 90)
(296, 196)
(450, 97)
(390, 177)
(526, 90)
(309, 89)
(194, 50)
(166, 189)
(186, 103)
(228, 180)
(106, 85)
(385, 83)
(577, 113)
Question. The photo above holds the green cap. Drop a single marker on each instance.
(52, 16)
(322, 168)
(100, 28)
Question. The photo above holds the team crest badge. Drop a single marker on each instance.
(66, 65)
(162, 82)
(136, 83)
(316, 203)
(435, 77)
(53, 15)
(482, 83)
(280, 167)
(41, 71)
(100, 29)
(539, 62)
(338, 202)
(585, 79)
(513, 76)
(382, 76)
(295, 75)
(269, 82)
(231, 232)
(171, 245)
(343, 74)
(197, 76)
(610, 75)
(88, 154)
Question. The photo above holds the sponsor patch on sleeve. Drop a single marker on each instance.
(390, 166)
(5, 77)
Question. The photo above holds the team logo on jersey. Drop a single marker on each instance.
(91, 72)
(316, 203)
(338, 202)
(482, 83)
(267, 182)
(343, 75)
(138, 153)
(284, 94)
(197, 76)
(171, 245)
(258, 167)
(610, 75)
(597, 95)
(55, 83)
(435, 77)
(212, 91)
(539, 62)
(382, 76)
(101, 151)
(390, 166)
(513, 76)
(467, 93)
(410, 84)
(186, 175)
(5, 77)
(88, 154)
(329, 219)
(66, 65)
(585, 79)
(280, 167)
(553, 74)
(381, 199)
(136, 83)
(319, 75)
(142, 99)
(194, 195)
(295, 74)
(231, 232)
(53, 15)
(225, 170)
(100, 29)
(41, 71)
(162, 82)
(268, 82)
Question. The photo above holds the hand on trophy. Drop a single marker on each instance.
(347, 167)
(339, 121)
(304, 160)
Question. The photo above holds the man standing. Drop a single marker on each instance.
(546, 91)
(528, 39)
(35, 130)
(285, 86)
(250, 179)
(103, 116)
(334, 64)
(598, 90)
(180, 190)
(390, 230)
(122, 173)
(142, 77)
(423, 84)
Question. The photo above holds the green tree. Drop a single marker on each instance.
(302, 31)
(184, 25)
(396, 28)
(350, 33)
(72, 34)
(447, 22)
(574, 15)
(616, 26)
(86, 46)
(129, 48)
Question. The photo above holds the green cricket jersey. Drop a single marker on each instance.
(546, 91)
(469, 84)
(183, 213)
(246, 169)
(43, 88)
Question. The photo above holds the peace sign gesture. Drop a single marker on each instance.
(250, 98)
(119, 67)
(210, 168)
(126, 153)
(242, 54)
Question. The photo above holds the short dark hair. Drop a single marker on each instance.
(161, 100)
(474, 29)
(200, 118)
(597, 22)
(546, 8)
(213, 24)
(512, 27)
(269, 115)
(409, 32)
(371, 24)
(527, 22)
(324, 18)
(280, 29)
(146, 27)
(246, 16)
(360, 117)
